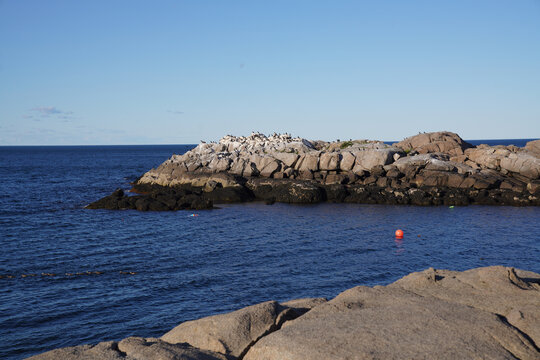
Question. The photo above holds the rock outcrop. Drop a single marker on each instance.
(484, 313)
(443, 142)
(276, 156)
(506, 160)
(234, 333)
(426, 169)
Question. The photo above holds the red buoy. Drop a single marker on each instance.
(399, 233)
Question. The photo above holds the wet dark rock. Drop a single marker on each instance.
(377, 171)
(142, 204)
(156, 199)
(336, 193)
(427, 188)
(420, 197)
(286, 191)
(230, 194)
(108, 202)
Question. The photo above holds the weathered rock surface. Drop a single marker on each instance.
(483, 313)
(533, 147)
(506, 159)
(370, 158)
(233, 333)
(442, 141)
(508, 292)
(487, 313)
(426, 169)
(132, 348)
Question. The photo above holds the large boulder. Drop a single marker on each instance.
(288, 159)
(489, 313)
(268, 166)
(487, 156)
(442, 141)
(413, 164)
(533, 147)
(232, 333)
(506, 159)
(329, 161)
(219, 164)
(367, 159)
(308, 162)
(523, 164)
(415, 161)
(347, 162)
(238, 165)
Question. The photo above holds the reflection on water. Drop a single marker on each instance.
(399, 246)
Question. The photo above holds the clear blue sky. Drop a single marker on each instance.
(169, 72)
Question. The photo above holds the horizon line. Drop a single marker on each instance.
(195, 144)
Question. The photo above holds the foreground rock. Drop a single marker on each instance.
(484, 313)
(132, 348)
(427, 169)
(489, 313)
(234, 333)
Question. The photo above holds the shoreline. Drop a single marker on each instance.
(485, 312)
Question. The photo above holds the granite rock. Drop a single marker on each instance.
(483, 313)
(439, 168)
(233, 333)
(533, 147)
(442, 141)
(132, 348)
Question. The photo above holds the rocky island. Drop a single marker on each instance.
(427, 169)
(483, 313)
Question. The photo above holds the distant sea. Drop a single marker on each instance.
(72, 276)
(491, 142)
(515, 142)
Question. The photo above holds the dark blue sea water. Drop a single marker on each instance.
(186, 267)
(491, 142)
(515, 142)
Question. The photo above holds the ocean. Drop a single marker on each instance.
(70, 276)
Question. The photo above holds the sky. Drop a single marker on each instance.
(177, 72)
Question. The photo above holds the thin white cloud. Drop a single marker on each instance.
(51, 110)
(175, 112)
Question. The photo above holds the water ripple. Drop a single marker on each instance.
(186, 268)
